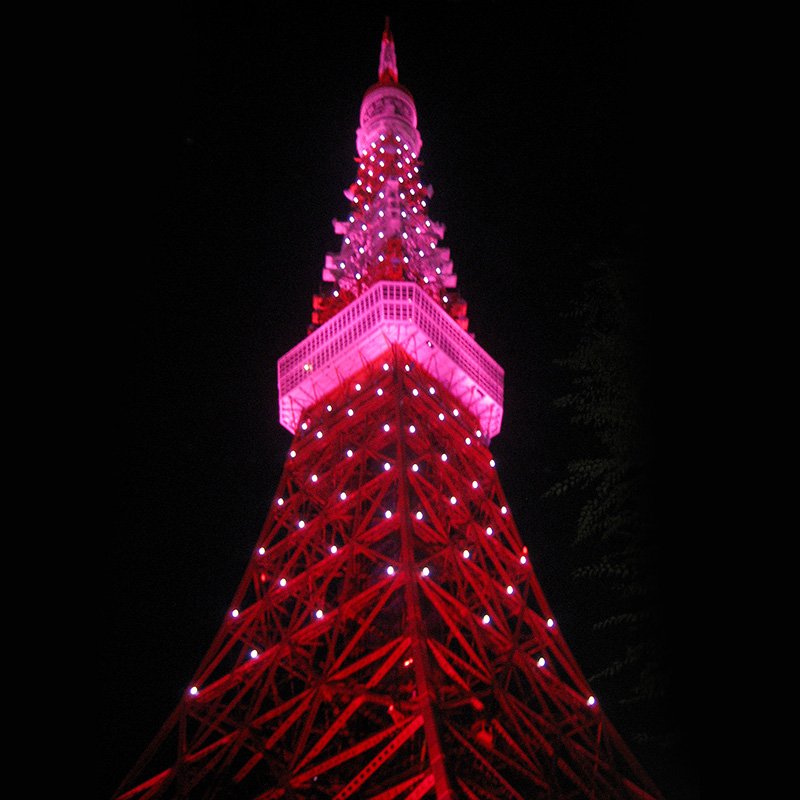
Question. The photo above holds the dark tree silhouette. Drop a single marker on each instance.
(611, 482)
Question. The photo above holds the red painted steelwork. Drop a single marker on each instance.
(399, 681)
(389, 638)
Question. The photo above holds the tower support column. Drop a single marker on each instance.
(416, 626)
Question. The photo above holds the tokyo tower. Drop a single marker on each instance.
(389, 638)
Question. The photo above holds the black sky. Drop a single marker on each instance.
(239, 140)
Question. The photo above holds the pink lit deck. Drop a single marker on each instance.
(391, 312)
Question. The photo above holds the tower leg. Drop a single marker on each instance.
(416, 631)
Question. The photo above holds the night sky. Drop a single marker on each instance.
(239, 139)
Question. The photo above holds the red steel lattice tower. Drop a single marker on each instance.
(389, 638)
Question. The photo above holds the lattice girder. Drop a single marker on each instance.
(389, 580)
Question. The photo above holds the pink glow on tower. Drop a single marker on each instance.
(389, 637)
(391, 281)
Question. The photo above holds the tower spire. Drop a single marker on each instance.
(387, 67)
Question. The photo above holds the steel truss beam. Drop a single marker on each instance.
(389, 637)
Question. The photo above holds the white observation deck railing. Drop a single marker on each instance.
(391, 312)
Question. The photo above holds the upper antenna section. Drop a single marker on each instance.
(387, 68)
(388, 107)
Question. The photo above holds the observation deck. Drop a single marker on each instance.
(391, 312)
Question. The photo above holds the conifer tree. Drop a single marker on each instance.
(612, 481)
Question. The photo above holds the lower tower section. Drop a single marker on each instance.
(389, 638)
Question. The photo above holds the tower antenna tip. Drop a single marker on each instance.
(387, 68)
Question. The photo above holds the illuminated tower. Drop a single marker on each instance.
(389, 638)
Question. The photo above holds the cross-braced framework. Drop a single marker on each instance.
(390, 638)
